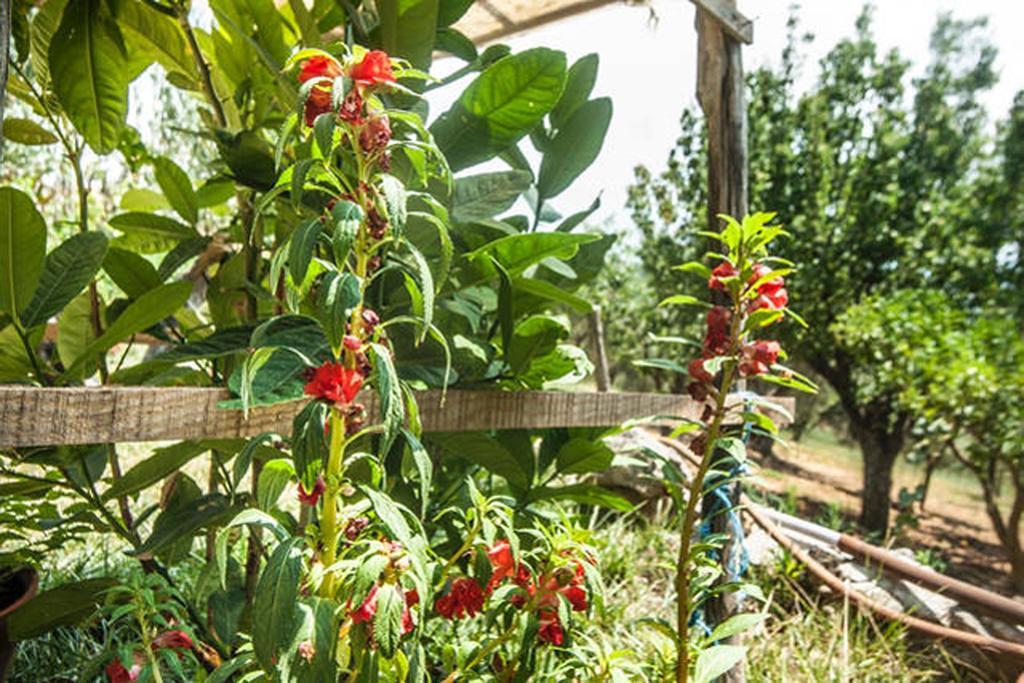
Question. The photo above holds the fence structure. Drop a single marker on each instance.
(31, 416)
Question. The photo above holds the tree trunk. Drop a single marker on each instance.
(879, 452)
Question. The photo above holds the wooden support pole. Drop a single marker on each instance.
(721, 31)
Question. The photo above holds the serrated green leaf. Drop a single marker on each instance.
(67, 271)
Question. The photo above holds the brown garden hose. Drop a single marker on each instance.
(970, 594)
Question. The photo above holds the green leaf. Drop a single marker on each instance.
(392, 408)
(276, 598)
(483, 450)
(177, 188)
(588, 494)
(153, 35)
(534, 337)
(44, 24)
(506, 307)
(183, 522)
(347, 216)
(574, 148)
(738, 623)
(488, 194)
(580, 456)
(518, 252)
(300, 248)
(717, 660)
(68, 270)
(546, 290)
(387, 621)
(65, 605)
(142, 199)
(27, 132)
(90, 72)
(337, 296)
(389, 513)
(274, 478)
(407, 29)
(578, 85)
(501, 106)
(22, 249)
(149, 232)
(682, 300)
(424, 467)
(131, 272)
(450, 11)
(163, 462)
(395, 201)
(147, 310)
(75, 332)
(456, 43)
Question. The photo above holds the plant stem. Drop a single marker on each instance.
(686, 533)
(329, 525)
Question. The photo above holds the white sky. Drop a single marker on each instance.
(648, 67)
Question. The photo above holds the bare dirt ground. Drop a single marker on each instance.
(820, 473)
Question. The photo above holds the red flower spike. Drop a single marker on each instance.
(313, 496)
(722, 270)
(502, 563)
(374, 69)
(334, 383)
(774, 301)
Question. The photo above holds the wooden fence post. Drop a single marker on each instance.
(721, 32)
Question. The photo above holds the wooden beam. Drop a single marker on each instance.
(31, 416)
(734, 23)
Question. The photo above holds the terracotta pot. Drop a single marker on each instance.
(15, 590)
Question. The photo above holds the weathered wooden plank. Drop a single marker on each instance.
(734, 23)
(31, 416)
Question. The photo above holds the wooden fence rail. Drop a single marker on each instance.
(31, 416)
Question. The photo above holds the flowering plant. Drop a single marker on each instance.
(749, 297)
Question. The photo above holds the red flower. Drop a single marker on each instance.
(550, 629)
(311, 497)
(319, 99)
(697, 371)
(118, 674)
(775, 300)
(722, 270)
(771, 294)
(716, 341)
(465, 599)
(319, 66)
(758, 357)
(175, 640)
(375, 68)
(376, 134)
(368, 608)
(502, 563)
(335, 383)
(758, 271)
(352, 343)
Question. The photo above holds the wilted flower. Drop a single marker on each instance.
(313, 495)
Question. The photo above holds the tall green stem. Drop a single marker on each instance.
(696, 487)
(329, 513)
